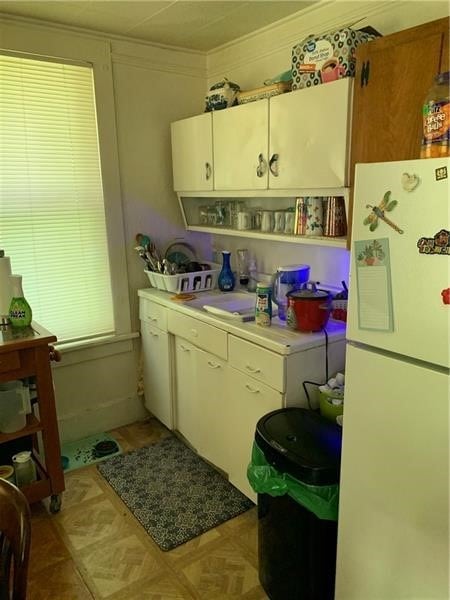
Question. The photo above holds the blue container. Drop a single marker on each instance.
(287, 279)
(226, 279)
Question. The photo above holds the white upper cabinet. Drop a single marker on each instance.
(294, 141)
(192, 154)
(308, 137)
(240, 142)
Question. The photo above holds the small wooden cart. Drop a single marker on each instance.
(26, 353)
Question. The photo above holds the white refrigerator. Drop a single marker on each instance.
(393, 529)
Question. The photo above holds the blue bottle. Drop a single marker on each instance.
(226, 279)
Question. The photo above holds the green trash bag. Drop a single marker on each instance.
(322, 500)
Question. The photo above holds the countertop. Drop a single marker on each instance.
(278, 337)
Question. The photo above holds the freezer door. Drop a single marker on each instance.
(393, 532)
(421, 319)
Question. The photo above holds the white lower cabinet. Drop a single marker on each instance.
(213, 386)
(248, 401)
(186, 397)
(157, 373)
(215, 417)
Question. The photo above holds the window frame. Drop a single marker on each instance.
(42, 42)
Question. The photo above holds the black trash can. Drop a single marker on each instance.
(297, 548)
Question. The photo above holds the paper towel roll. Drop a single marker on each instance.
(5, 285)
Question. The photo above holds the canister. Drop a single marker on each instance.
(314, 216)
(24, 468)
(263, 308)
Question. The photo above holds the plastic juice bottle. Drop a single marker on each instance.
(20, 313)
(263, 308)
(436, 119)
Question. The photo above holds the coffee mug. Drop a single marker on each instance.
(267, 220)
(331, 70)
(278, 221)
(314, 216)
(244, 220)
(289, 221)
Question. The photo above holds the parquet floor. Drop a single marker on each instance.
(95, 549)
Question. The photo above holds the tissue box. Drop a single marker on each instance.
(326, 58)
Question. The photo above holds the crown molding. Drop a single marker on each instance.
(125, 50)
(318, 19)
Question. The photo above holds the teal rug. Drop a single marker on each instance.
(82, 453)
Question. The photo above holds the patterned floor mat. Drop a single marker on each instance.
(172, 492)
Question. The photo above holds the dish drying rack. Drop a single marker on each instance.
(197, 281)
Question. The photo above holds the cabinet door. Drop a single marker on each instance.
(240, 141)
(217, 436)
(393, 76)
(248, 400)
(155, 346)
(187, 409)
(309, 132)
(192, 158)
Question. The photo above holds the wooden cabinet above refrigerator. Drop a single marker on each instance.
(393, 76)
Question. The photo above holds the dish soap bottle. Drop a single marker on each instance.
(20, 313)
(226, 279)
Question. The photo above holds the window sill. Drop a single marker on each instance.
(77, 352)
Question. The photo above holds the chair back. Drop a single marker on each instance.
(15, 537)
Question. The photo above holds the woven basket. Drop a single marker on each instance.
(267, 91)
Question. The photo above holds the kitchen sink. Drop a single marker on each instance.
(229, 305)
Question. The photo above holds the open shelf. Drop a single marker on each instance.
(32, 426)
(334, 242)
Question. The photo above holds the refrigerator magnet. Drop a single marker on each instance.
(438, 244)
(446, 296)
(410, 182)
(386, 205)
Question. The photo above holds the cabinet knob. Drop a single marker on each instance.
(213, 365)
(262, 166)
(208, 170)
(194, 332)
(273, 165)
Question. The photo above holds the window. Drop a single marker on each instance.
(52, 210)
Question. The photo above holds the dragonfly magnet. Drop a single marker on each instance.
(386, 205)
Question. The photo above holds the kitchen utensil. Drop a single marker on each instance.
(287, 279)
(180, 252)
(309, 308)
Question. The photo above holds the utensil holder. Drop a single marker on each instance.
(198, 281)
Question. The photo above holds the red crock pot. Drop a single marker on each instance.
(308, 309)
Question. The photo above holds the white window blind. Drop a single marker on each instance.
(52, 215)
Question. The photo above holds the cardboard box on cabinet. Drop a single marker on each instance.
(326, 58)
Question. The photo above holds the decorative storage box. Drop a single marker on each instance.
(326, 58)
(197, 281)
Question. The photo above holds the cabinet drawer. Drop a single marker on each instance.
(263, 365)
(9, 361)
(153, 313)
(202, 335)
